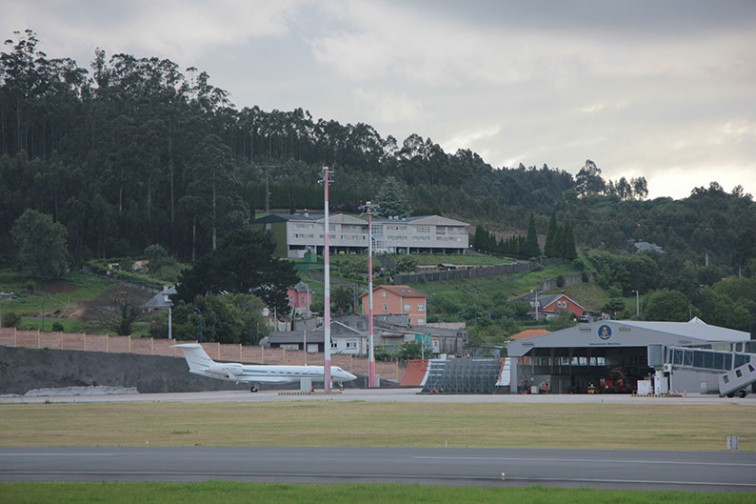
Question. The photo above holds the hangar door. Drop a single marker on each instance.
(583, 369)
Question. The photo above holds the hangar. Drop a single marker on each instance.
(612, 355)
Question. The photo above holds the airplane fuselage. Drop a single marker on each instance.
(201, 364)
(243, 373)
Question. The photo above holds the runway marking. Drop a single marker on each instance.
(43, 454)
(640, 482)
(602, 461)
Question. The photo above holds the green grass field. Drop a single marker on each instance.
(646, 426)
(232, 493)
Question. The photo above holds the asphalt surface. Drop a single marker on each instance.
(84, 394)
(617, 469)
(638, 470)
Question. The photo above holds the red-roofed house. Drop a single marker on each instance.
(397, 300)
(551, 305)
(528, 333)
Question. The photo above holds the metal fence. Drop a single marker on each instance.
(220, 351)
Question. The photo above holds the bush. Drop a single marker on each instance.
(57, 327)
(11, 320)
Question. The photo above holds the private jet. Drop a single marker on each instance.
(201, 364)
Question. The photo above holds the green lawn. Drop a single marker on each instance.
(282, 493)
(650, 426)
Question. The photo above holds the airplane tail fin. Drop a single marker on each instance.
(196, 357)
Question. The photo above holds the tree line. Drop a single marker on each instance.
(134, 152)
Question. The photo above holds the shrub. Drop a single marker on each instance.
(11, 319)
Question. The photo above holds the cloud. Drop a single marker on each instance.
(177, 29)
(387, 107)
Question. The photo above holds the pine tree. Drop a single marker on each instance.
(550, 247)
(532, 249)
(568, 244)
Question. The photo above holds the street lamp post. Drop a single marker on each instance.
(637, 304)
(196, 308)
(43, 312)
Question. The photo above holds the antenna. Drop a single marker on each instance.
(371, 352)
(327, 289)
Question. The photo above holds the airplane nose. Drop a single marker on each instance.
(350, 376)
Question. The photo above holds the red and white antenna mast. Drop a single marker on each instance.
(327, 293)
(371, 351)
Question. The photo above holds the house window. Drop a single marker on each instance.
(385, 307)
(421, 307)
(383, 294)
(407, 307)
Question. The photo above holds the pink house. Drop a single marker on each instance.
(397, 300)
(300, 299)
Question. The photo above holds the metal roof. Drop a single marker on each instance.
(629, 333)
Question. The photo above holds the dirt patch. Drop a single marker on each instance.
(57, 288)
(110, 299)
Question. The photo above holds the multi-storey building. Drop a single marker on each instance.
(398, 300)
(298, 234)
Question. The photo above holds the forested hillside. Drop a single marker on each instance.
(133, 151)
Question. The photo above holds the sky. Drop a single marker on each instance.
(665, 90)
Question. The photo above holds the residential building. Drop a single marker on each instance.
(552, 305)
(300, 299)
(397, 300)
(297, 234)
(349, 335)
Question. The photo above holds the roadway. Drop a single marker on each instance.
(602, 469)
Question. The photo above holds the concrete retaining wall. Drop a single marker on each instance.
(24, 369)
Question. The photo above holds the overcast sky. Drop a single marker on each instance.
(664, 89)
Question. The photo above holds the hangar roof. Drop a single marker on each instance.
(629, 333)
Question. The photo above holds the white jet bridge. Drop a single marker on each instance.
(736, 369)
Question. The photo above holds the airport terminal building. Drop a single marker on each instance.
(612, 355)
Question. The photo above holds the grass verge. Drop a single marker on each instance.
(231, 493)
(650, 426)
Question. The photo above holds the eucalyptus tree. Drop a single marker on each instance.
(212, 198)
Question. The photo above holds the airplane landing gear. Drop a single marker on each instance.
(253, 389)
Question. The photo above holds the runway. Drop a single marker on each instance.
(603, 469)
(380, 395)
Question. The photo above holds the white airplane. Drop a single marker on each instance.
(201, 364)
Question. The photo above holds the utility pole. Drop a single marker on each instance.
(371, 331)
